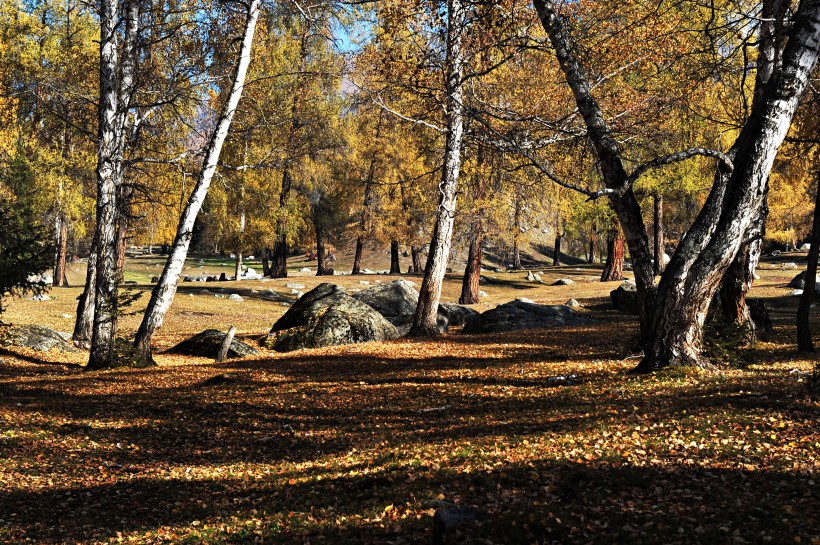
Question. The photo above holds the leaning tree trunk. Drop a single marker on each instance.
(84, 322)
(395, 264)
(472, 274)
(163, 293)
(608, 152)
(804, 341)
(734, 206)
(425, 318)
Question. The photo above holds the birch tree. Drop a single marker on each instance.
(163, 293)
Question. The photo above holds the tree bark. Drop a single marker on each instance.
(163, 293)
(516, 260)
(556, 256)
(415, 254)
(425, 318)
(804, 340)
(357, 257)
(116, 86)
(659, 243)
(321, 253)
(593, 238)
(395, 264)
(472, 274)
(614, 267)
(279, 263)
(734, 207)
(84, 322)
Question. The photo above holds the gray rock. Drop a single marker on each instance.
(799, 282)
(572, 303)
(517, 315)
(36, 337)
(305, 270)
(564, 282)
(235, 297)
(457, 315)
(364, 282)
(796, 293)
(533, 277)
(789, 266)
(805, 247)
(483, 294)
(40, 297)
(208, 343)
(397, 302)
(327, 316)
(295, 286)
(776, 253)
(625, 298)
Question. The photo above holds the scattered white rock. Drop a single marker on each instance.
(364, 282)
(572, 303)
(236, 297)
(805, 247)
(796, 293)
(482, 293)
(41, 297)
(305, 270)
(294, 291)
(295, 286)
(790, 265)
(66, 316)
(525, 300)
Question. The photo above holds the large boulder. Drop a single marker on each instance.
(457, 315)
(799, 282)
(625, 298)
(397, 302)
(208, 343)
(327, 316)
(518, 314)
(35, 337)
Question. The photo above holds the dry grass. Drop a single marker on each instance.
(540, 429)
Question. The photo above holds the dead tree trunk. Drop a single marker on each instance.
(804, 340)
(425, 318)
(163, 293)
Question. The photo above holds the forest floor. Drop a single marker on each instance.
(542, 431)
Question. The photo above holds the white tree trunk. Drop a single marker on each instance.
(424, 320)
(688, 286)
(163, 294)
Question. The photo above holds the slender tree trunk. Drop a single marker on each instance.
(516, 260)
(279, 263)
(657, 201)
(60, 279)
(804, 340)
(556, 256)
(237, 269)
(734, 207)
(357, 258)
(425, 318)
(472, 274)
(84, 323)
(163, 293)
(614, 267)
(395, 265)
(593, 237)
(266, 262)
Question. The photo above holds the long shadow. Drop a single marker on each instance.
(544, 500)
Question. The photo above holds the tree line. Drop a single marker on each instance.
(252, 127)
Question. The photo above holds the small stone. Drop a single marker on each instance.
(572, 303)
(790, 265)
(483, 294)
(364, 282)
(236, 297)
(295, 286)
(564, 282)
